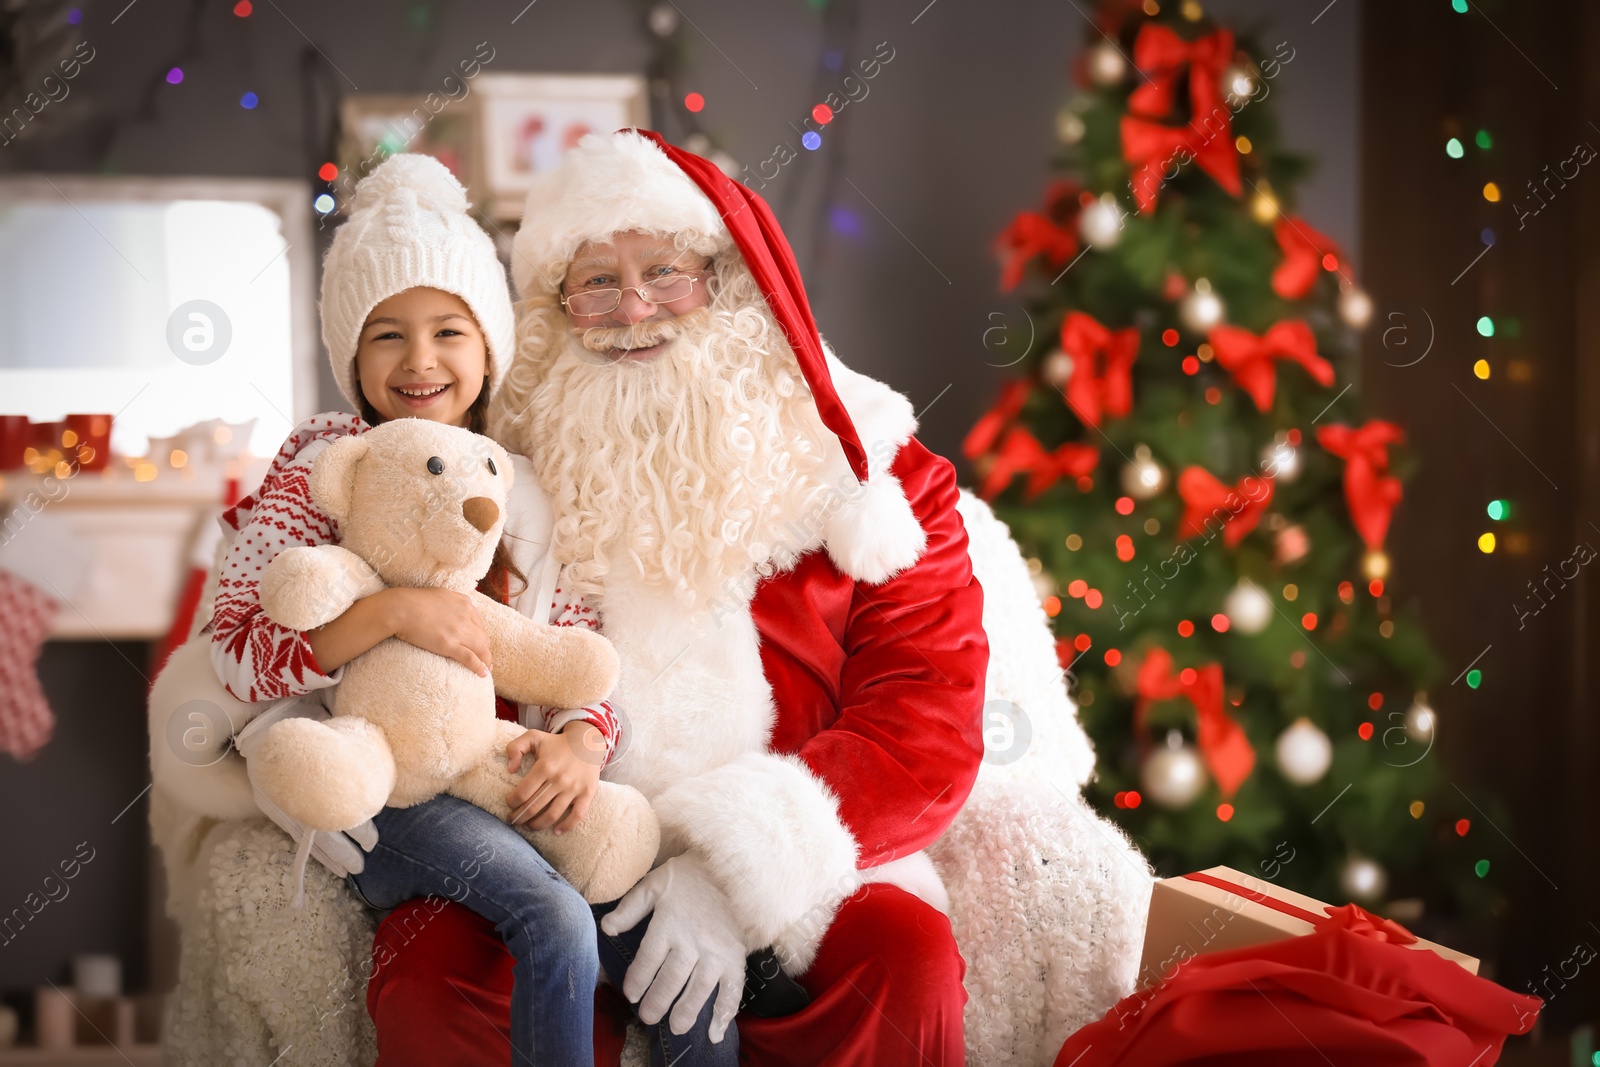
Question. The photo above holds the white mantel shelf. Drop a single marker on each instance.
(199, 485)
(83, 1056)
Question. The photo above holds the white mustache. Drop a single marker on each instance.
(645, 334)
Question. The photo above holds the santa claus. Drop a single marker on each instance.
(782, 569)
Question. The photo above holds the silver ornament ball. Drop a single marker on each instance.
(1201, 309)
(1281, 460)
(1355, 307)
(1106, 65)
(1238, 82)
(1173, 775)
(1363, 879)
(1421, 720)
(1069, 126)
(1304, 752)
(1057, 368)
(1248, 608)
(1100, 222)
(1143, 478)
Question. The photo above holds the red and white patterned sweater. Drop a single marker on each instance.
(254, 657)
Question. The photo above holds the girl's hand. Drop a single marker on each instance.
(558, 788)
(442, 621)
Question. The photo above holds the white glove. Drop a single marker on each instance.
(692, 945)
(336, 851)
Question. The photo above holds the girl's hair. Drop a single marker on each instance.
(496, 585)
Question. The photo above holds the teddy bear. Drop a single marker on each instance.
(422, 504)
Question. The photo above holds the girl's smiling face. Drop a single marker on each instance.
(422, 355)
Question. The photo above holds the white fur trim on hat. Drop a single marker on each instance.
(410, 227)
(607, 184)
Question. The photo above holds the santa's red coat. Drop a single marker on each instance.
(879, 690)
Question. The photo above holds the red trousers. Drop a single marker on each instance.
(885, 991)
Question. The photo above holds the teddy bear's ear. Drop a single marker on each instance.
(333, 476)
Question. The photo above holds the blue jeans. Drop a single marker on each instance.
(449, 848)
(667, 1049)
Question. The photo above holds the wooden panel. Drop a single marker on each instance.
(1531, 433)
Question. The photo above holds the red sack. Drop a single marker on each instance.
(1331, 996)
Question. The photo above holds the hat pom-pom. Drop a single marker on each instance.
(874, 534)
(410, 173)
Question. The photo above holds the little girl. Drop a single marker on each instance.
(417, 320)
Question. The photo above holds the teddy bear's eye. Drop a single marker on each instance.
(491, 467)
(435, 465)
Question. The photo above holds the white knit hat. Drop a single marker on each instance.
(608, 183)
(409, 227)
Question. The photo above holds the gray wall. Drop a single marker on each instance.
(951, 141)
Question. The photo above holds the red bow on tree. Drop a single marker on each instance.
(1252, 360)
(986, 431)
(1031, 234)
(1205, 498)
(1102, 367)
(1369, 489)
(1160, 54)
(1303, 251)
(1223, 745)
(1052, 234)
(1151, 149)
(1023, 454)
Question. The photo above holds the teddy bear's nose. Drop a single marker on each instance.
(481, 512)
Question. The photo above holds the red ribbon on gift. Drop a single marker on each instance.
(1161, 55)
(1253, 360)
(1023, 454)
(1102, 367)
(1223, 744)
(1303, 251)
(986, 431)
(1369, 490)
(1204, 496)
(1351, 917)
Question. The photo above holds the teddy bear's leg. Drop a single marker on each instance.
(329, 775)
(612, 848)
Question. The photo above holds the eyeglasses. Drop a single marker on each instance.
(663, 290)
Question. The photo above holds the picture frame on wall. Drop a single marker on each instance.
(529, 121)
(374, 126)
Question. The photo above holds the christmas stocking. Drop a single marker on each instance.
(25, 616)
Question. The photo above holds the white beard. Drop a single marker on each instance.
(683, 472)
(677, 483)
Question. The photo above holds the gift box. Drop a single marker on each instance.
(1220, 909)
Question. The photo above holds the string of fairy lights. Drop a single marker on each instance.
(1488, 327)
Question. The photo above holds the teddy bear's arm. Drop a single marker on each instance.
(557, 666)
(309, 585)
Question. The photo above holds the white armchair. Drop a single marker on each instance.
(1047, 899)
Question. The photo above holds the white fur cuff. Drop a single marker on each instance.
(769, 832)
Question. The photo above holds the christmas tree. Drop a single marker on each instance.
(1204, 500)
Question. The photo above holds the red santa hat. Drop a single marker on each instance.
(633, 180)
